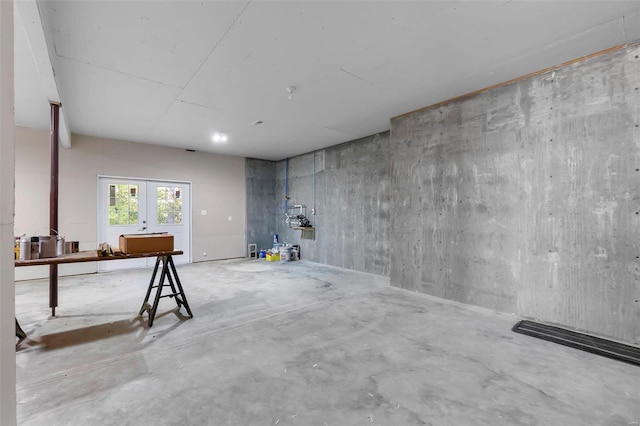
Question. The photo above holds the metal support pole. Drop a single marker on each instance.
(53, 203)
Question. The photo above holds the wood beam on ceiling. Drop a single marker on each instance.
(29, 14)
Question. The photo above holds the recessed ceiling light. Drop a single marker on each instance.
(219, 138)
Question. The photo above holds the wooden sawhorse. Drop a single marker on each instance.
(169, 273)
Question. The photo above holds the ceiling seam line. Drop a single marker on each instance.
(372, 84)
(214, 48)
(182, 89)
(197, 104)
(162, 83)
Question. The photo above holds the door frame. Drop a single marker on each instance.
(145, 180)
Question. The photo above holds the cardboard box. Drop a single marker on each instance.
(146, 243)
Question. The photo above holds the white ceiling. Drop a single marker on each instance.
(174, 72)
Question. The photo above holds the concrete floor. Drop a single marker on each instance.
(297, 344)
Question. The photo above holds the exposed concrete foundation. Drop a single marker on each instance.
(347, 186)
(522, 199)
(356, 206)
(525, 199)
(261, 203)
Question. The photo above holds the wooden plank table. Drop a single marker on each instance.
(92, 256)
(168, 273)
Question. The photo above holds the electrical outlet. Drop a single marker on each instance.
(229, 218)
(203, 212)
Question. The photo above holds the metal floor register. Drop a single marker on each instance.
(585, 342)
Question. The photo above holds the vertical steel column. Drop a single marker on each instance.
(53, 203)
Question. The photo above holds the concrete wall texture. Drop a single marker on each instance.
(261, 202)
(355, 206)
(525, 198)
(522, 199)
(351, 201)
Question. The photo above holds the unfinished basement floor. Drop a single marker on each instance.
(297, 344)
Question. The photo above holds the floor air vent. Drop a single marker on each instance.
(585, 342)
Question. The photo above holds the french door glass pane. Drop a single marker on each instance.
(169, 205)
(123, 204)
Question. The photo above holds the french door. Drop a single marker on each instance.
(133, 206)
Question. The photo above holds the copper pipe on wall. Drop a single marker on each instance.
(53, 202)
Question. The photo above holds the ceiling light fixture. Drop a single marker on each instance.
(219, 138)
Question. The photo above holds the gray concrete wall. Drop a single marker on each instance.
(352, 203)
(261, 202)
(525, 198)
(301, 184)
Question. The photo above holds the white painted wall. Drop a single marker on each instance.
(218, 187)
(7, 285)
